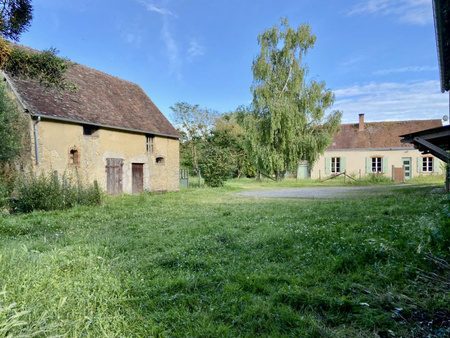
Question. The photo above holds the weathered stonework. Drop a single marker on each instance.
(101, 132)
(57, 138)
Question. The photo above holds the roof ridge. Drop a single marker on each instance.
(398, 121)
(74, 63)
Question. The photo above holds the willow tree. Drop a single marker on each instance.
(287, 122)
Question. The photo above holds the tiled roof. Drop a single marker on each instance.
(101, 99)
(377, 135)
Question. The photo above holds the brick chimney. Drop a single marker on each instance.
(361, 122)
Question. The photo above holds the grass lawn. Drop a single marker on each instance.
(205, 263)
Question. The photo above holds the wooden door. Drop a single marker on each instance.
(114, 175)
(137, 177)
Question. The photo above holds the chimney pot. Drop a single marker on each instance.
(361, 122)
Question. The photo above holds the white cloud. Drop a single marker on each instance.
(406, 70)
(416, 12)
(392, 101)
(195, 49)
(172, 49)
(153, 8)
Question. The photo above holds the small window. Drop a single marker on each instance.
(160, 160)
(427, 164)
(90, 130)
(335, 165)
(149, 143)
(377, 165)
(74, 156)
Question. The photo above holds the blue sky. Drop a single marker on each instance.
(378, 56)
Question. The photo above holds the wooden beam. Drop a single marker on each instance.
(433, 149)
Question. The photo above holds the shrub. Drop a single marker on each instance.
(48, 192)
(215, 167)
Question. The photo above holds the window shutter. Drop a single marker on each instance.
(436, 165)
(327, 165)
(385, 164)
(419, 164)
(368, 165)
(343, 165)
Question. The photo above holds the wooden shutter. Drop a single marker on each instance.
(436, 165)
(419, 164)
(385, 164)
(327, 165)
(343, 164)
(368, 165)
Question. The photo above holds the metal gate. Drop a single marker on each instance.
(184, 177)
(114, 174)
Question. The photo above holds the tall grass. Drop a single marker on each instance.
(204, 262)
(50, 192)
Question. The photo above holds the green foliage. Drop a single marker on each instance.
(286, 122)
(16, 16)
(230, 137)
(215, 166)
(51, 193)
(195, 124)
(45, 67)
(9, 127)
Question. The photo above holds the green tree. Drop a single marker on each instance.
(229, 136)
(9, 125)
(15, 18)
(195, 124)
(287, 122)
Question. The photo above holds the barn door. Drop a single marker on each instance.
(137, 177)
(114, 174)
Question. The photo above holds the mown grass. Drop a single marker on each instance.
(204, 262)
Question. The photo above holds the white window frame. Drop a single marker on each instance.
(377, 164)
(427, 165)
(335, 165)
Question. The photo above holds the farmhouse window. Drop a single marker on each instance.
(427, 164)
(149, 143)
(377, 165)
(336, 165)
(160, 160)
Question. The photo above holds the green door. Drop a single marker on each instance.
(303, 171)
(406, 164)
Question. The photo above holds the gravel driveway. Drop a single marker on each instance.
(324, 192)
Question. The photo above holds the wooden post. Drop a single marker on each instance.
(447, 178)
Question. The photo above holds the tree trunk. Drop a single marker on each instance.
(278, 176)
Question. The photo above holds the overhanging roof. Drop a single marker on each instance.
(434, 141)
(441, 10)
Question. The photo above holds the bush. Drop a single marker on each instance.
(214, 167)
(50, 193)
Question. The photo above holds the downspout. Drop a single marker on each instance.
(36, 145)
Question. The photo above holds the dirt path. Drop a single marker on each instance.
(323, 192)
